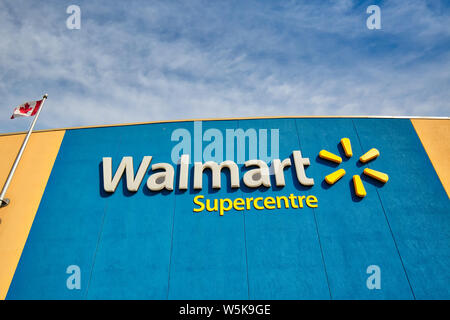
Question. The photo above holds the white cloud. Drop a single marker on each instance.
(137, 63)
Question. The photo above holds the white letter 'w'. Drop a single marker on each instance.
(110, 184)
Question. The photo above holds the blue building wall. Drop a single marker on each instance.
(151, 245)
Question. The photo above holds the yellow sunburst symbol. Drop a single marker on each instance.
(333, 177)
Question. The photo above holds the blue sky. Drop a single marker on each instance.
(135, 61)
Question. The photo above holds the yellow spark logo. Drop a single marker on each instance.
(333, 177)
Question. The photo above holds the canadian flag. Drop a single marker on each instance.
(28, 109)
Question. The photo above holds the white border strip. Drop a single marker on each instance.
(228, 119)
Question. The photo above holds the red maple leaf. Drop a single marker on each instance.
(25, 109)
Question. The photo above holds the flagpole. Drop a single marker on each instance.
(3, 201)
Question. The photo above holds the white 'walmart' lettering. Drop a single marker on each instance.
(164, 178)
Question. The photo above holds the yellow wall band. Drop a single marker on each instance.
(25, 192)
(435, 137)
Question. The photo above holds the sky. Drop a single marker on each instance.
(139, 61)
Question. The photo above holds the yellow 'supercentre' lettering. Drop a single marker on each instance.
(260, 203)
